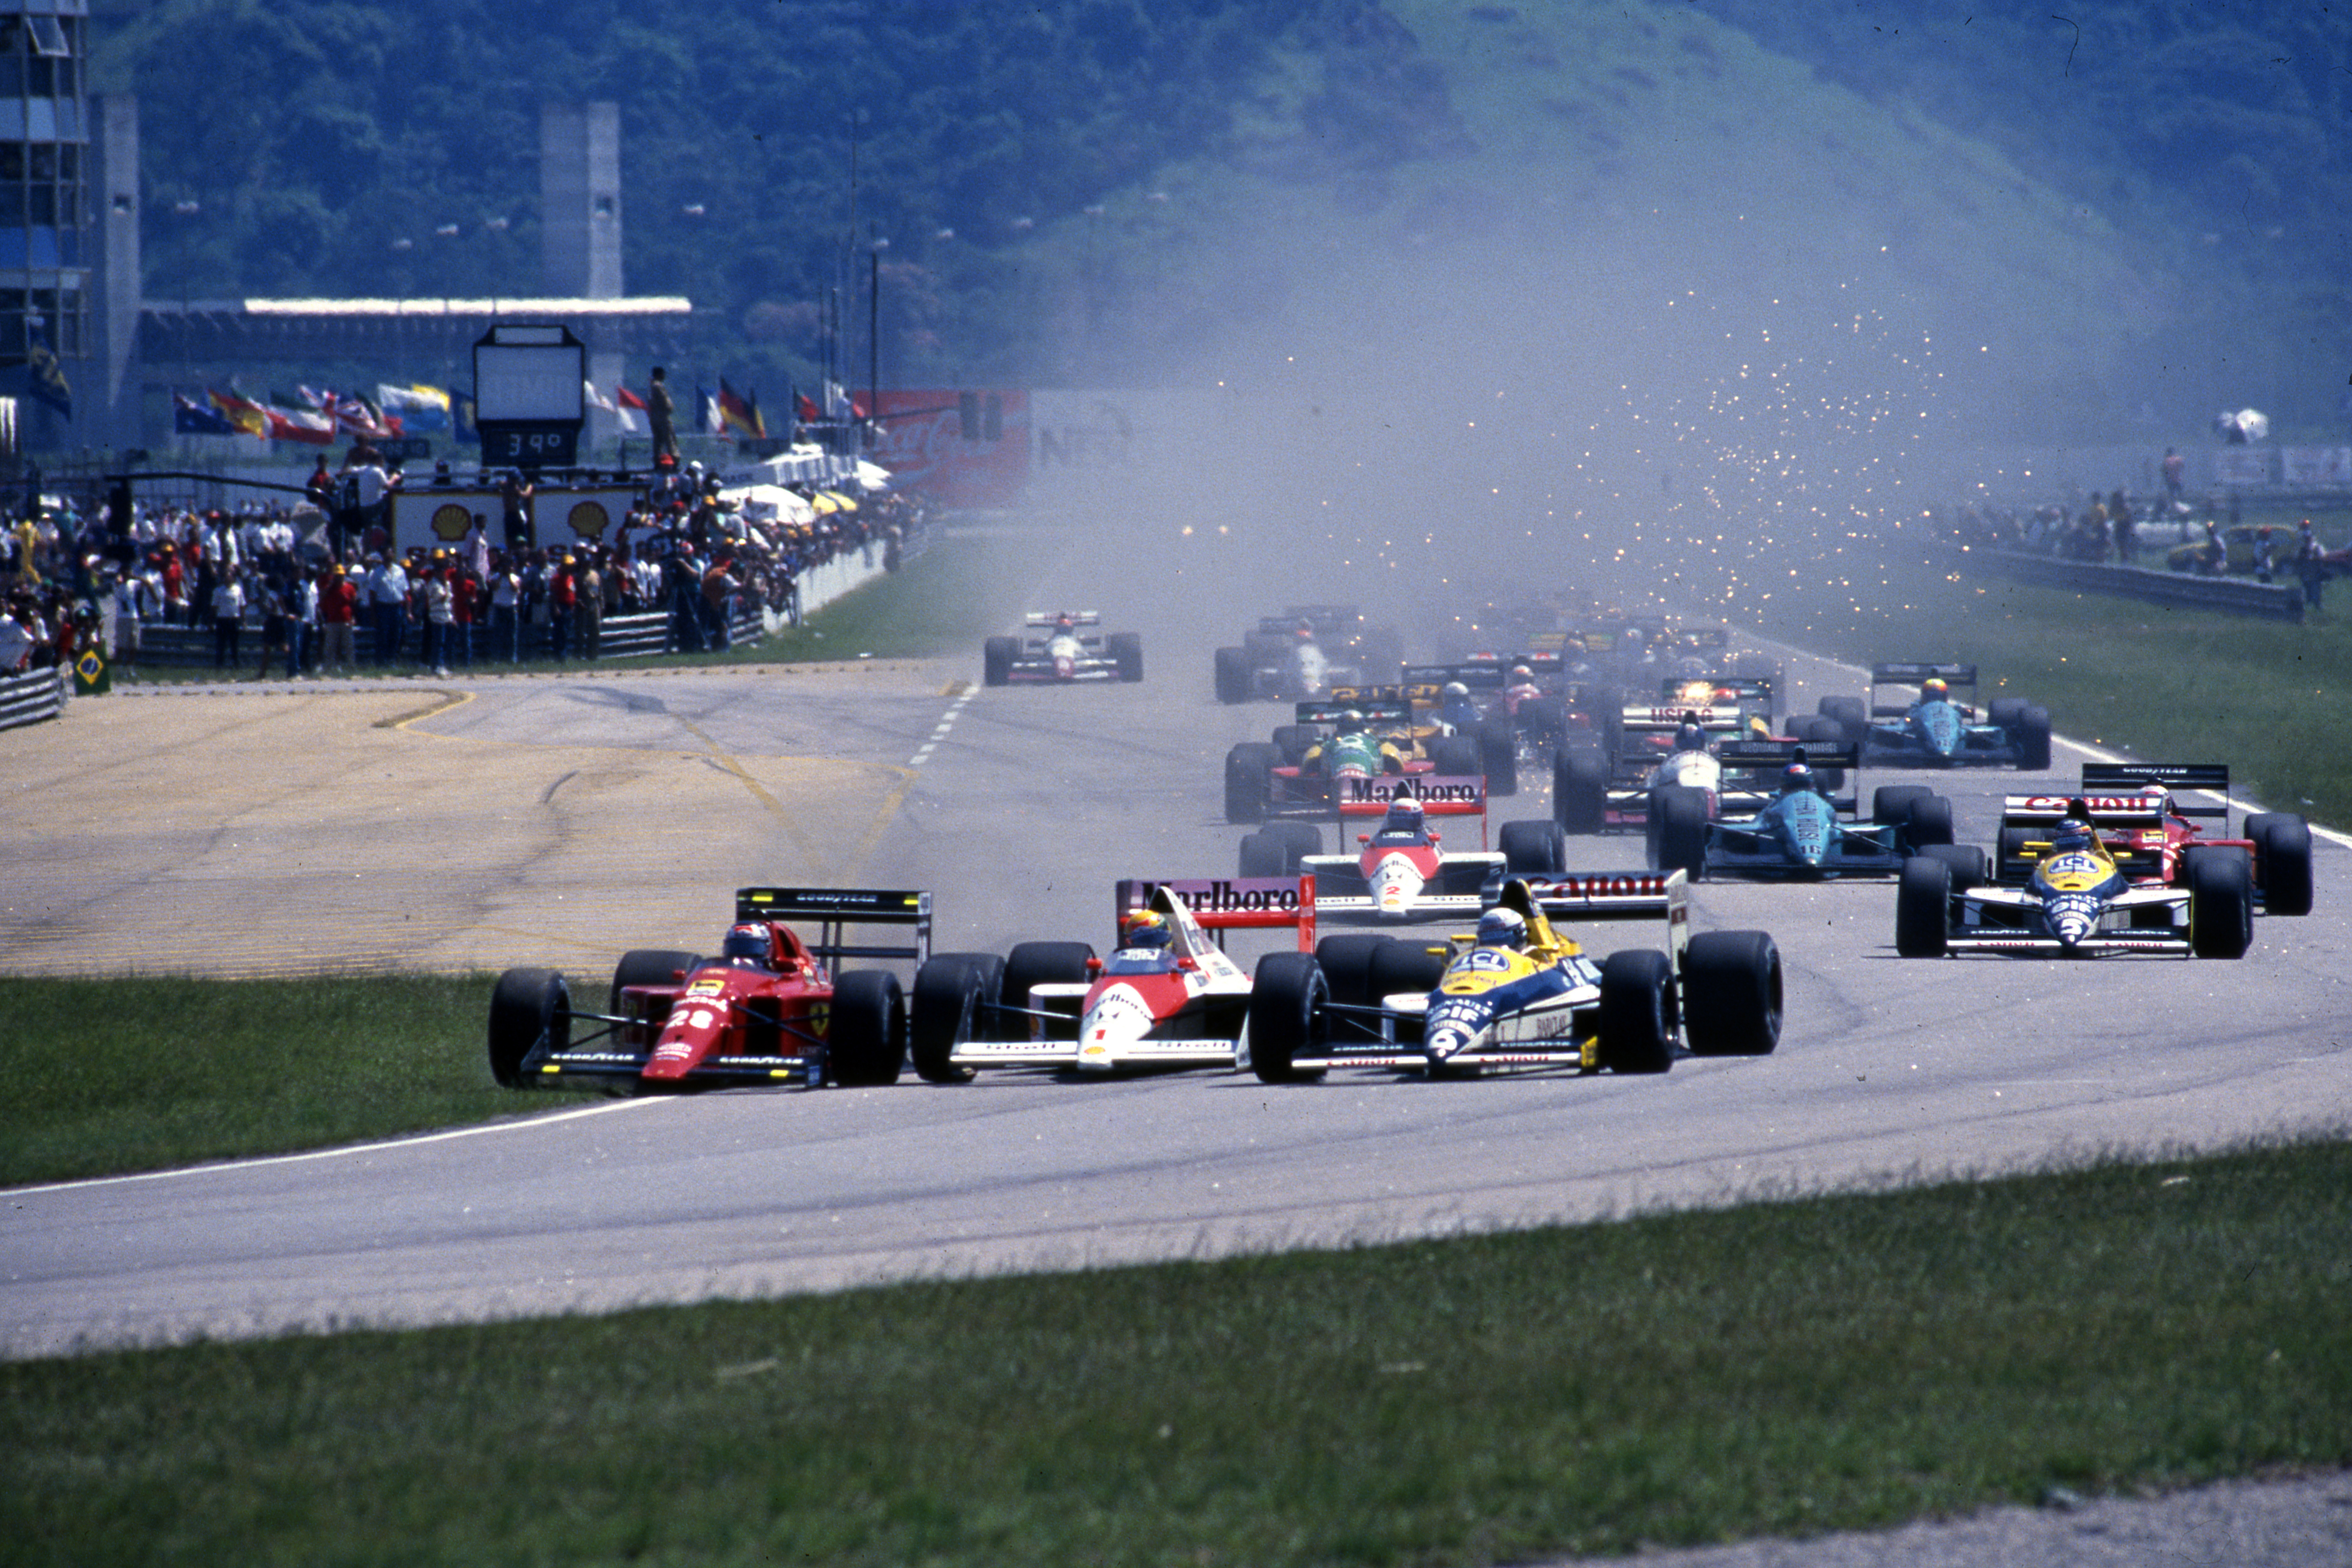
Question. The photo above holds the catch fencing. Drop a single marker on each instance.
(29, 698)
(2236, 597)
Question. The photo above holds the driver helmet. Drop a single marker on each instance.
(1061, 622)
(1457, 691)
(1306, 631)
(1689, 737)
(1502, 927)
(2071, 837)
(747, 940)
(1146, 928)
(1404, 817)
(1352, 722)
(1933, 689)
(1522, 675)
(1796, 778)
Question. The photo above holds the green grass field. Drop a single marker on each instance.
(1784, 1368)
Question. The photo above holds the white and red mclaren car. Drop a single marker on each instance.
(1168, 995)
(1057, 648)
(1403, 869)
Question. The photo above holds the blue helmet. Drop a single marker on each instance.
(747, 940)
(1796, 778)
(2071, 836)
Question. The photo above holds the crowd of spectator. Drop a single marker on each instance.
(2209, 540)
(292, 587)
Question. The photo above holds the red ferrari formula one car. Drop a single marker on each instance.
(768, 1010)
(1167, 997)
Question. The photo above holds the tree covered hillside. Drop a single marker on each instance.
(1089, 190)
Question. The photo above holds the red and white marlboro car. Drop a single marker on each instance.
(1403, 869)
(1168, 996)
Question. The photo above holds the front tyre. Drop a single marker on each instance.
(1287, 1017)
(649, 966)
(1534, 849)
(2221, 904)
(1678, 828)
(1732, 993)
(1637, 1011)
(530, 1009)
(996, 657)
(2283, 849)
(946, 1012)
(1126, 651)
(1923, 903)
(865, 1042)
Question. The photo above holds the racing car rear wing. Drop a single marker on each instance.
(1482, 675)
(1616, 896)
(1078, 618)
(2209, 778)
(1230, 903)
(1913, 674)
(836, 909)
(1756, 756)
(1441, 794)
(1390, 710)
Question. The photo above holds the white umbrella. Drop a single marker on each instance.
(872, 477)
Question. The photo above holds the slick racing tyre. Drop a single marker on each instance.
(648, 966)
(1248, 766)
(2282, 856)
(2031, 735)
(1965, 861)
(2009, 862)
(528, 1008)
(1347, 964)
(1295, 741)
(1678, 829)
(1637, 1011)
(1126, 651)
(1890, 805)
(1850, 714)
(1731, 994)
(1401, 967)
(1536, 848)
(947, 1010)
(2003, 712)
(1456, 756)
(1233, 675)
(1287, 1017)
(1498, 755)
(1580, 789)
(1923, 905)
(1929, 821)
(1044, 963)
(1261, 854)
(1298, 840)
(866, 1040)
(996, 657)
(2220, 902)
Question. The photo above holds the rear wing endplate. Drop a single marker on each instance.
(834, 908)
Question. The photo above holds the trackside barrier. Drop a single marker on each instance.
(30, 697)
(2233, 597)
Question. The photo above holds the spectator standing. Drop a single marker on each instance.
(385, 589)
(661, 413)
(2310, 565)
(128, 596)
(515, 495)
(2175, 467)
(464, 609)
(718, 604)
(228, 620)
(276, 612)
(339, 605)
(302, 622)
(506, 612)
(440, 619)
(16, 639)
(563, 600)
(2127, 532)
(591, 608)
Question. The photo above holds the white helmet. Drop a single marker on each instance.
(1455, 689)
(1502, 927)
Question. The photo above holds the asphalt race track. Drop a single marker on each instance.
(1019, 807)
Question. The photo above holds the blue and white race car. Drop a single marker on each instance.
(1937, 730)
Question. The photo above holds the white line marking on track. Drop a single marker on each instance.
(946, 723)
(2096, 753)
(343, 1151)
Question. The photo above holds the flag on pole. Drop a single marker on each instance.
(707, 413)
(739, 412)
(49, 377)
(247, 416)
(806, 406)
(418, 407)
(190, 417)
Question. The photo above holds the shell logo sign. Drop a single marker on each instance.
(589, 519)
(451, 523)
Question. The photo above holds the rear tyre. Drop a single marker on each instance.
(1408, 967)
(2032, 737)
(1890, 805)
(648, 966)
(1535, 848)
(2005, 712)
(528, 1008)
(1347, 964)
(1043, 963)
(945, 1012)
(1850, 714)
(1456, 755)
(1580, 789)
(1248, 767)
(2009, 864)
(2283, 851)
(1965, 861)
(865, 1042)
(1298, 840)
(996, 657)
(1731, 994)
(1294, 741)
(1637, 1011)
(1929, 821)
(1498, 755)
(1261, 854)
(2221, 904)
(1126, 651)
(1678, 828)
(1923, 903)
(990, 967)
(1233, 675)
(1287, 1018)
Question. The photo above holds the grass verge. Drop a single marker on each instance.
(1785, 1368)
(2271, 698)
(125, 1074)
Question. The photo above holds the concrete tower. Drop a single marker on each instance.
(579, 224)
(44, 250)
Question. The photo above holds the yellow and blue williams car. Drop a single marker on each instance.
(1517, 995)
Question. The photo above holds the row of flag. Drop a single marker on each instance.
(321, 418)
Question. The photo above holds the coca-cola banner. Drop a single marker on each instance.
(957, 448)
